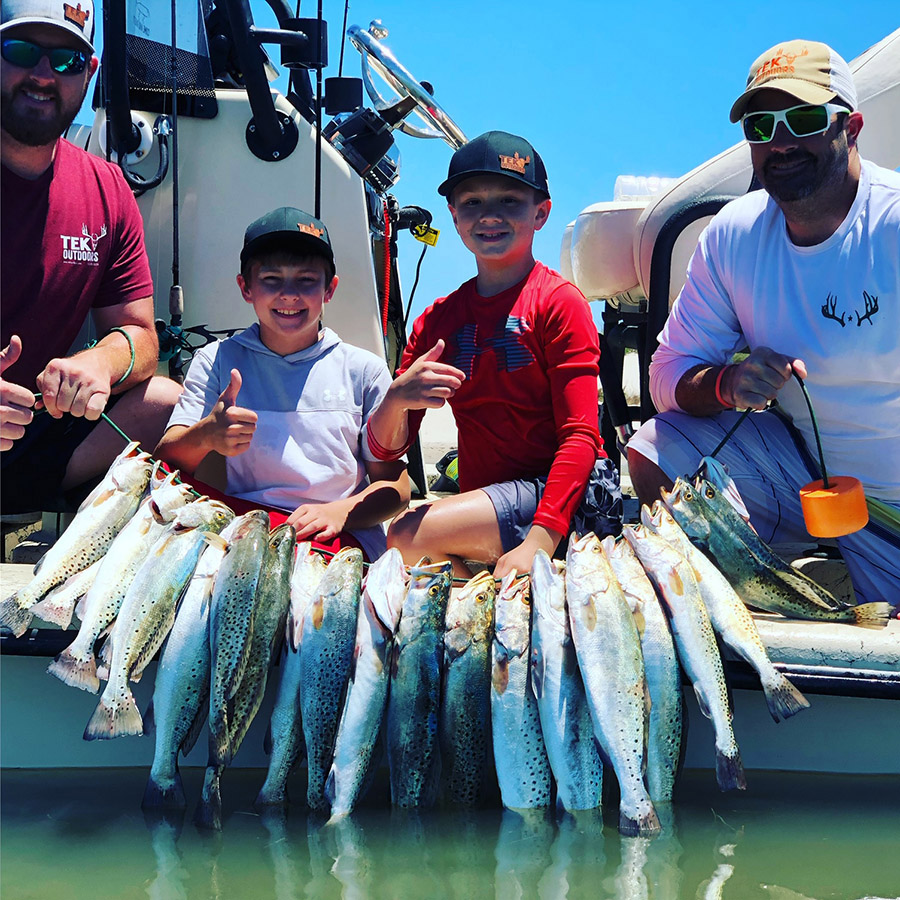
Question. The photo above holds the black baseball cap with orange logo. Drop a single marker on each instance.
(497, 153)
(289, 228)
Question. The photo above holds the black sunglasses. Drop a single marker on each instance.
(27, 55)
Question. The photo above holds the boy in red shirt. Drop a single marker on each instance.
(515, 353)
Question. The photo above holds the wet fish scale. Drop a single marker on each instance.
(414, 695)
(329, 633)
(466, 698)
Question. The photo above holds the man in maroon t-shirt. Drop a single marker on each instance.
(72, 242)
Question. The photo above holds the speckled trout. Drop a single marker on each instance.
(609, 655)
(664, 732)
(60, 604)
(284, 741)
(415, 690)
(695, 641)
(465, 721)
(148, 612)
(730, 618)
(559, 690)
(762, 579)
(360, 726)
(520, 758)
(100, 518)
(76, 665)
(181, 693)
(329, 636)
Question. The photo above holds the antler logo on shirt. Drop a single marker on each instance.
(870, 308)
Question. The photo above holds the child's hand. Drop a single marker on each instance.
(320, 521)
(427, 383)
(231, 426)
(521, 558)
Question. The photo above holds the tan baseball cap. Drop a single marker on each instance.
(808, 70)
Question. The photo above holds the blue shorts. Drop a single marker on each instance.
(34, 467)
(600, 510)
(769, 462)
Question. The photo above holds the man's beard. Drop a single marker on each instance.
(31, 128)
(821, 170)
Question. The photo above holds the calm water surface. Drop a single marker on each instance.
(81, 834)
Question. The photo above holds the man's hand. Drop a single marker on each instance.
(427, 383)
(229, 428)
(321, 521)
(756, 381)
(79, 385)
(15, 400)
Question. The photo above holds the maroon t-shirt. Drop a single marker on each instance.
(70, 240)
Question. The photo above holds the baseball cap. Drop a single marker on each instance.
(497, 153)
(808, 70)
(287, 227)
(76, 17)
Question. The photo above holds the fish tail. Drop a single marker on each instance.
(51, 610)
(158, 795)
(783, 699)
(871, 615)
(645, 825)
(730, 771)
(78, 673)
(209, 808)
(13, 616)
(109, 721)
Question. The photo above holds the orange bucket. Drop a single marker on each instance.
(835, 510)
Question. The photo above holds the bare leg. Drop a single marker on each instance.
(646, 478)
(455, 528)
(142, 413)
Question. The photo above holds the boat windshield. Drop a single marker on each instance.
(148, 43)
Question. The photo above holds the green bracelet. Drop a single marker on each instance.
(131, 348)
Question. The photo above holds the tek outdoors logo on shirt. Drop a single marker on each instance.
(506, 342)
(82, 248)
(847, 316)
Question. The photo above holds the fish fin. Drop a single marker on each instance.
(103, 671)
(214, 539)
(50, 610)
(156, 796)
(701, 702)
(730, 771)
(872, 615)
(115, 721)
(456, 642)
(80, 607)
(782, 698)
(646, 825)
(196, 726)
(77, 673)
(329, 790)
(13, 616)
(209, 809)
(537, 675)
(639, 621)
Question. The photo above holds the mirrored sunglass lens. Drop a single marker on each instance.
(758, 127)
(807, 120)
(27, 55)
(21, 53)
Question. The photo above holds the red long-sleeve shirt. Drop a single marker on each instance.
(528, 406)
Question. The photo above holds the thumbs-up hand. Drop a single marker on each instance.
(230, 427)
(15, 400)
(427, 383)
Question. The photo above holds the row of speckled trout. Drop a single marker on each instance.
(438, 679)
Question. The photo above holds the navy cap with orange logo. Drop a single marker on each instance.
(290, 228)
(76, 17)
(497, 153)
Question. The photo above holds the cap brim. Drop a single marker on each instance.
(41, 20)
(446, 187)
(802, 90)
(291, 240)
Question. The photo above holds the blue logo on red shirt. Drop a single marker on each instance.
(505, 341)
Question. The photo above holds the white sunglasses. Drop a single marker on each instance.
(801, 121)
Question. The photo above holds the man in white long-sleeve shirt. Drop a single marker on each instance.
(806, 274)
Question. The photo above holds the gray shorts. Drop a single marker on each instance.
(600, 510)
(769, 462)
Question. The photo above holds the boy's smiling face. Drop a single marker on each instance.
(288, 294)
(496, 217)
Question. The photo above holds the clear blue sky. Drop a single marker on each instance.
(600, 89)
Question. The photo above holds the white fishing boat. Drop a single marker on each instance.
(189, 96)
